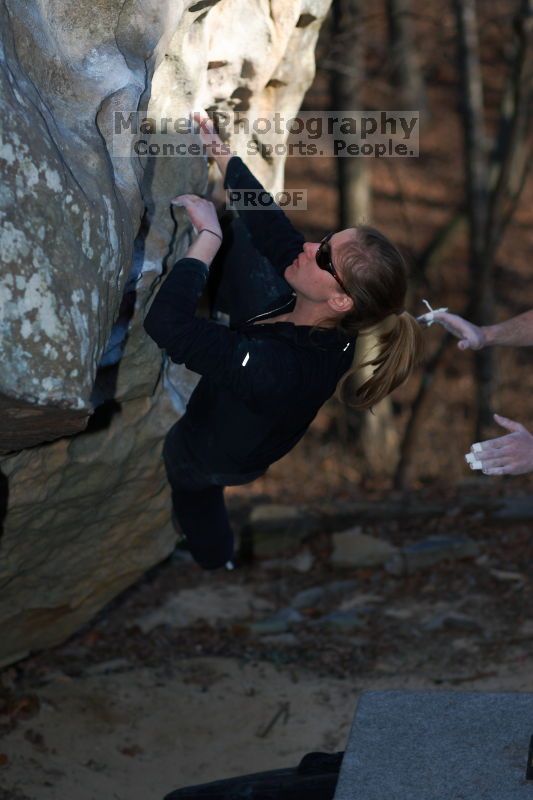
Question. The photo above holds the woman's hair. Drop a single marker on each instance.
(375, 274)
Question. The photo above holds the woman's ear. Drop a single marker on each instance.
(340, 303)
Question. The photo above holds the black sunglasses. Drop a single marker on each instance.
(323, 259)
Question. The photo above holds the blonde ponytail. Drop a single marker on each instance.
(396, 349)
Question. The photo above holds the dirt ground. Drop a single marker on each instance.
(190, 676)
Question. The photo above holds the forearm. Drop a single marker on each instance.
(204, 247)
(222, 158)
(271, 231)
(214, 147)
(174, 305)
(170, 320)
(517, 331)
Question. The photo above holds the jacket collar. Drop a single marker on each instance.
(304, 335)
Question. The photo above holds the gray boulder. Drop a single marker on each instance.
(85, 235)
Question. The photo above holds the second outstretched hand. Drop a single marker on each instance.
(213, 144)
(511, 454)
(206, 130)
(470, 336)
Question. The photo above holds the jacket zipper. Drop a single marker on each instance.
(268, 313)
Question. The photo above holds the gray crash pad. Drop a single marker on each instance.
(438, 746)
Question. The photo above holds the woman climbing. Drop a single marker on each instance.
(265, 377)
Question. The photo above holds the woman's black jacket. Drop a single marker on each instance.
(261, 385)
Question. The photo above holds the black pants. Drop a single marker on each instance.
(199, 508)
(198, 495)
(198, 502)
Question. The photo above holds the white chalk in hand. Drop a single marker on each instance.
(429, 318)
(477, 447)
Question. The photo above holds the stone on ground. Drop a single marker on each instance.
(211, 604)
(352, 548)
(432, 550)
(276, 529)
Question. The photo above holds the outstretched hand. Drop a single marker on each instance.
(469, 335)
(511, 454)
(200, 211)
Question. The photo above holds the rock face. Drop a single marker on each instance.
(85, 235)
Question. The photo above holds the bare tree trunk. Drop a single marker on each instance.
(511, 157)
(406, 72)
(380, 439)
(476, 169)
(428, 260)
(408, 444)
(353, 174)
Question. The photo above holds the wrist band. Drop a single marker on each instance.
(208, 231)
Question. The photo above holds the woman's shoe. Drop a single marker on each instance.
(182, 539)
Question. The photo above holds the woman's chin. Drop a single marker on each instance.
(289, 273)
